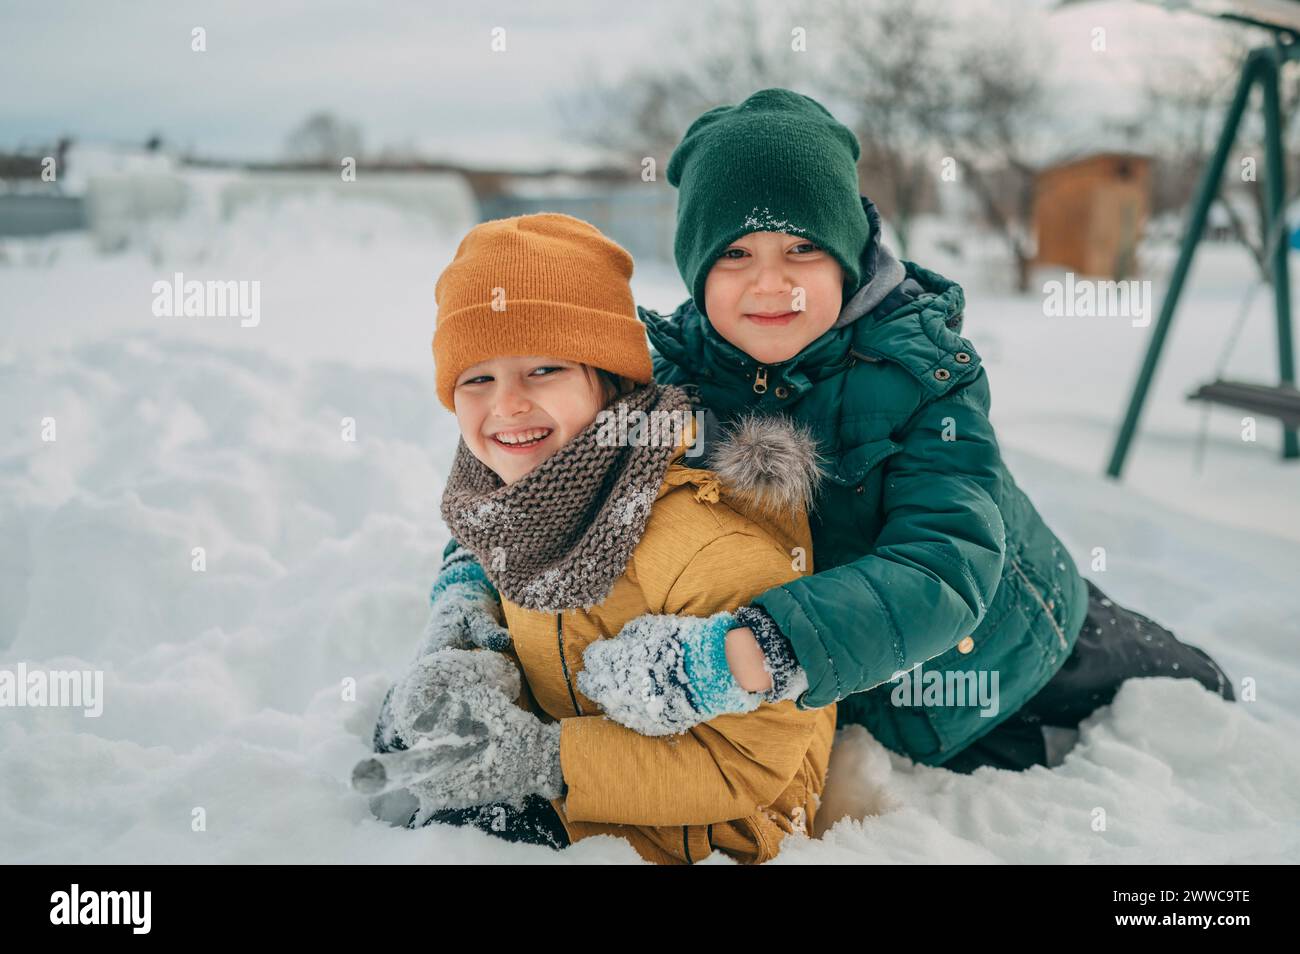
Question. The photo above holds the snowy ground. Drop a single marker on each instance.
(223, 688)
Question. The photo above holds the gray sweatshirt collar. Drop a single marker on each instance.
(889, 274)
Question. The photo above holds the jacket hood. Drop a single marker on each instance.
(889, 275)
(881, 272)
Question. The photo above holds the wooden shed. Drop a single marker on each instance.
(1089, 213)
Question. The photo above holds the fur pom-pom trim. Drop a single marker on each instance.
(771, 460)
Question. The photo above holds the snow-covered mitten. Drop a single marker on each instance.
(661, 675)
(385, 738)
(464, 608)
(405, 712)
(489, 750)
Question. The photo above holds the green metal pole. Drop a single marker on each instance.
(1279, 253)
(1205, 193)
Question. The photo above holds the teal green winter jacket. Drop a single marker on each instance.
(924, 548)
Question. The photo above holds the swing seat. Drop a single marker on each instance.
(1271, 400)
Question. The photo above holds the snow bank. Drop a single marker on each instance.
(225, 689)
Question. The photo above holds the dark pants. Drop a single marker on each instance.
(1114, 644)
(534, 822)
(531, 821)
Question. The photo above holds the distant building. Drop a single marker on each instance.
(96, 186)
(640, 216)
(1089, 213)
(116, 192)
(29, 204)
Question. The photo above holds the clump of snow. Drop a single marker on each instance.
(560, 588)
(635, 505)
(765, 220)
(488, 513)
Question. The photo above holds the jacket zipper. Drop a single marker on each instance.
(564, 664)
(1060, 634)
(760, 372)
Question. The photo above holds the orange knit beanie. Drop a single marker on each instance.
(545, 284)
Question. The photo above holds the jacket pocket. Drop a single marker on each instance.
(1015, 643)
(1052, 611)
(852, 464)
(971, 689)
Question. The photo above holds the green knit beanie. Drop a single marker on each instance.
(778, 162)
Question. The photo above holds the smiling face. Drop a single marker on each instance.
(751, 295)
(515, 412)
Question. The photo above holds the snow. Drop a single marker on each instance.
(766, 221)
(230, 690)
(1163, 793)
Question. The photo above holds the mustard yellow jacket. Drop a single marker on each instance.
(739, 783)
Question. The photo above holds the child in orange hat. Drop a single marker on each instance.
(581, 524)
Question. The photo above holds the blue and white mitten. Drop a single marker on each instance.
(661, 675)
(464, 608)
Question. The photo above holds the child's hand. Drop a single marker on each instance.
(745, 657)
(480, 747)
(661, 675)
(464, 609)
(431, 677)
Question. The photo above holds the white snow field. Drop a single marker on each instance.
(223, 689)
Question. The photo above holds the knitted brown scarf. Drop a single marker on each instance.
(561, 535)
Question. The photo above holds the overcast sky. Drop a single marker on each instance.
(410, 71)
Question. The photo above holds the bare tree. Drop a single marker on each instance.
(738, 50)
(912, 83)
(888, 69)
(1251, 142)
(323, 138)
(1186, 102)
(996, 127)
(1183, 101)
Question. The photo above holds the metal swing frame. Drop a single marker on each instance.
(1263, 65)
